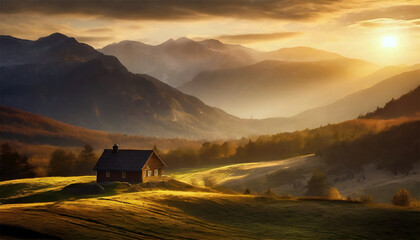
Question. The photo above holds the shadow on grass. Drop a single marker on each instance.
(9, 190)
(77, 191)
(71, 192)
(15, 232)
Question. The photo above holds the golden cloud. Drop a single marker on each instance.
(255, 37)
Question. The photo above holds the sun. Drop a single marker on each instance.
(389, 41)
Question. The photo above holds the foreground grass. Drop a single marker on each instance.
(173, 210)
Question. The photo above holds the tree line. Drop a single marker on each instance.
(62, 163)
(270, 147)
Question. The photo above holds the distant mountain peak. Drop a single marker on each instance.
(183, 40)
(213, 43)
(55, 37)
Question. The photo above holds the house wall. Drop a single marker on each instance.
(131, 177)
(152, 164)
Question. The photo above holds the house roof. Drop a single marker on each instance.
(124, 160)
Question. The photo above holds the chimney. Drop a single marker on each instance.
(115, 148)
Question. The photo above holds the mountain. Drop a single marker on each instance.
(277, 88)
(177, 61)
(406, 106)
(363, 101)
(300, 54)
(58, 77)
(56, 48)
(384, 73)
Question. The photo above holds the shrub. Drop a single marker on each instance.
(333, 193)
(318, 185)
(366, 199)
(402, 198)
(269, 192)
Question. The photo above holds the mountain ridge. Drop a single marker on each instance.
(89, 89)
(273, 88)
(209, 55)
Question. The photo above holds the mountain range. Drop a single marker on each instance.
(60, 78)
(71, 82)
(274, 88)
(177, 62)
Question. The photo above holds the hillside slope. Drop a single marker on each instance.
(276, 88)
(71, 82)
(28, 128)
(190, 213)
(361, 102)
(406, 106)
(290, 176)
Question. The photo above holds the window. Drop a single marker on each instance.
(123, 174)
(107, 174)
(149, 173)
(156, 173)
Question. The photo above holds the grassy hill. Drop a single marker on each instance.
(290, 176)
(138, 212)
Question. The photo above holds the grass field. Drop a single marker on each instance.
(290, 176)
(175, 210)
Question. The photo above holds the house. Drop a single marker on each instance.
(134, 166)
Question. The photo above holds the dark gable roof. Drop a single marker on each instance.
(123, 160)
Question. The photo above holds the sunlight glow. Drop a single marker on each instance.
(389, 41)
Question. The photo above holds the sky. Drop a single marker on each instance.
(381, 31)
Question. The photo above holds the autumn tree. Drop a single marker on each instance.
(318, 185)
(13, 165)
(85, 162)
(61, 163)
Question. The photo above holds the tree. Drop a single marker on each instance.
(13, 165)
(247, 192)
(61, 163)
(269, 192)
(85, 162)
(402, 198)
(318, 185)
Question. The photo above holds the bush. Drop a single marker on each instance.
(402, 198)
(269, 192)
(334, 194)
(318, 185)
(247, 192)
(366, 199)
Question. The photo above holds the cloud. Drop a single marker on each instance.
(99, 30)
(398, 12)
(93, 39)
(176, 9)
(255, 37)
(388, 23)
